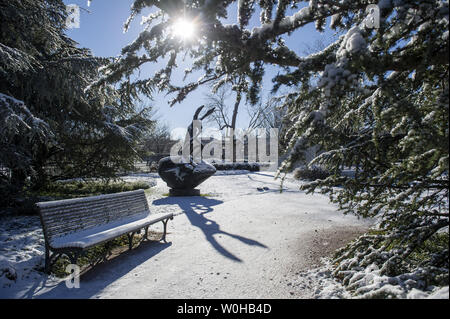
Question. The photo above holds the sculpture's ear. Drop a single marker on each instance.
(198, 112)
(210, 111)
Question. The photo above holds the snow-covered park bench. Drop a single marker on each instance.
(71, 226)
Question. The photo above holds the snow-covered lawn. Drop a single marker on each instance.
(244, 239)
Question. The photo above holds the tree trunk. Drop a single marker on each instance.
(18, 178)
(233, 122)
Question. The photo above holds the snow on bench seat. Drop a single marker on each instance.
(103, 233)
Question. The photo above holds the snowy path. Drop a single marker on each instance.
(238, 242)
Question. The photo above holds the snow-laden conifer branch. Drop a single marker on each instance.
(374, 102)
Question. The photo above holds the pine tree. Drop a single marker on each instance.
(48, 117)
(375, 101)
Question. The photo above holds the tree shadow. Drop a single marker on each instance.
(196, 208)
(275, 185)
(263, 174)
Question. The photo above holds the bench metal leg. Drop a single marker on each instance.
(130, 240)
(73, 256)
(163, 238)
(146, 233)
(50, 259)
(47, 260)
(107, 250)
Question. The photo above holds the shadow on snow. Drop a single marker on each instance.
(195, 209)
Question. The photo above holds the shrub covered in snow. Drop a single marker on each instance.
(310, 173)
(367, 283)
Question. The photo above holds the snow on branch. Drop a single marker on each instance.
(17, 119)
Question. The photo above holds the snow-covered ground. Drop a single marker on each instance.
(245, 239)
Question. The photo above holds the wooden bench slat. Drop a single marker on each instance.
(68, 216)
(64, 209)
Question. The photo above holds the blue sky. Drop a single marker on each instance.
(101, 30)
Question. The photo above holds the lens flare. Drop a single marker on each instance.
(184, 29)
